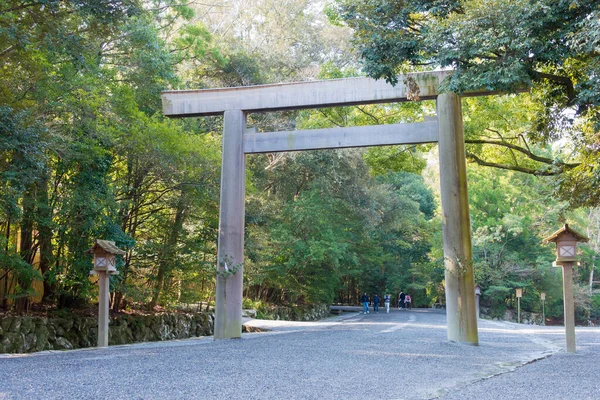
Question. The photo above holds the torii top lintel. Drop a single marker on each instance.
(298, 95)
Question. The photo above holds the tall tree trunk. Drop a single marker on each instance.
(45, 238)
(26, 250)
(166, 262)
(4, 279)
(118, 295)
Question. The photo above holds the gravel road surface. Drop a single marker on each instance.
(401, 355)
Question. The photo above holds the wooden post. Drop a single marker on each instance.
(105, 262)
(569, 306)
(460, 283)
(103, 301)
(543, 312)
(228, 299)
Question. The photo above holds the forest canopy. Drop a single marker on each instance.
(86, 153)
(549, 48)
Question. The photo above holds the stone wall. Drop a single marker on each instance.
(30, 334)
(302, 313)
(528, 318)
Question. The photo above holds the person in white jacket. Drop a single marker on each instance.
(386, 299)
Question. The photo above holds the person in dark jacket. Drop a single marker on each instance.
(401, 299)
(376, 303)
(365, 300)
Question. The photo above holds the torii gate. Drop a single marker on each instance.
(447, 130)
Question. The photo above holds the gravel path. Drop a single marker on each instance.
(401, 355)
(562, 376)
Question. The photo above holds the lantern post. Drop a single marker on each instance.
(477, 294)
(543, 298)
(519, 295)
(566, 240)
(105, 253)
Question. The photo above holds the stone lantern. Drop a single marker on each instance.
(566, 240)
(105, 253)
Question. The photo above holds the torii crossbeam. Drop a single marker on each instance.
(446, 130)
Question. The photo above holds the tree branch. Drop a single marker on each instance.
(21, 7)
(8, 50)
(537, 172)
(361, 109)
(562, 80)
(525, 151)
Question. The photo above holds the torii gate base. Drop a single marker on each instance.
(234, 103)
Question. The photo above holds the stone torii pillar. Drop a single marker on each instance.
(461, 312)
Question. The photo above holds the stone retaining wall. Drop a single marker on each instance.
(30, 334)
(303, 313)
(528, 318)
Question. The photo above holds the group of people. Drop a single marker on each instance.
(404, 301)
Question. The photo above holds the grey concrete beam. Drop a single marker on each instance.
(336, 138)
(297, 95)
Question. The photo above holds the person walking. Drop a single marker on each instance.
(365, 300)
(376, 300)
(401, 299)
(386, 300)
(407, 301)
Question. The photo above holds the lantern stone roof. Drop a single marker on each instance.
(566, 229)
(108, 246)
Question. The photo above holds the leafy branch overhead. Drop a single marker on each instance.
(549, 47)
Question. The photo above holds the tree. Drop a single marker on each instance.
(80, 88)
(550, 47)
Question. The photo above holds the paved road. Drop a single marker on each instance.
(401, 355)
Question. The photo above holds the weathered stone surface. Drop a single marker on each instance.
(302, 313)
(509, 315)
(12, 342)
(51, 332)
(6, 322)
(63, 344)
(62, 325)
(30, 334)
(16, 325)
(528, 318)
(29, 342)
(27, 325)
(42, 335)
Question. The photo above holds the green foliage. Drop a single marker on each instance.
(83, 142)
(337, 226)
(22, 158)
(508, 46)
(262, 308)
(86, 153)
